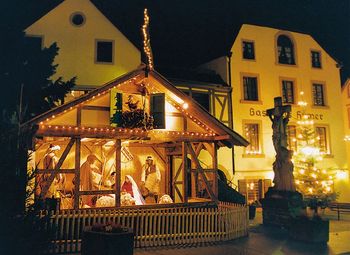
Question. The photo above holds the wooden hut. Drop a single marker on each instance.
(87, 148)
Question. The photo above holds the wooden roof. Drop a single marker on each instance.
(223, 133)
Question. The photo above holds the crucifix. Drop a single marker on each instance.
(279, 115)
(283, 166)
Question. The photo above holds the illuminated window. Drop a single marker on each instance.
(253, 189)
(318, 94)
(251, 133)
(250, 88)
(292, 137)
(104, 52)
(349, 117)
(322, 139)
(288, 92)
(316, 59)
(248, 50)
(285, 50)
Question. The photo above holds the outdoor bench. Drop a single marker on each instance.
(339, 207)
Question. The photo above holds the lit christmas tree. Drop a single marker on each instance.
(315, 183)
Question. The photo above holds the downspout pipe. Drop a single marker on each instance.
(229, 55)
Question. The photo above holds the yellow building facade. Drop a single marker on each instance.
(268, 63)
(91, 47)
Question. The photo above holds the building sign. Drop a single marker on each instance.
(262, 113)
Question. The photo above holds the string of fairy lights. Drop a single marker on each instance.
(45, 125)
(146, 40)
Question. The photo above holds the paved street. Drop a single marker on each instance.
(268, 240)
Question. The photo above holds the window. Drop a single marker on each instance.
(251, 132)
(292, 137)
(318, 94)
(77, 19)
(202, 99)
(104, 51)
(248, 50)
(285, 50)
(158, 110)
(348, 117)
(322, 141)
(253, 189)
(288, 92)
(316, 59)
(250, 87)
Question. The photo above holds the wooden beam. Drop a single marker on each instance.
(179, 193)
(222, 137)
(159, 154)
(118, 169)
(209, 148)
(96, 192)
(184, 172)
(215, 166)
(57, 167)
(77, 173)
(223, 109)
(52, 171)
(177, 173)
(201, 172)
(79, 116)
(96, 108)
(168, 176)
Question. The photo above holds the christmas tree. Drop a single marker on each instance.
(314, 182)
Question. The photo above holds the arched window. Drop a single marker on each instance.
(285, 50)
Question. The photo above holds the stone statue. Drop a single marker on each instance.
(283, 166)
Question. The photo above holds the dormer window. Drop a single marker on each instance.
(285, 50)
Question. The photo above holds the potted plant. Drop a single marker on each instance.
(107, 239)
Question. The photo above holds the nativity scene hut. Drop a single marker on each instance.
(136, 143)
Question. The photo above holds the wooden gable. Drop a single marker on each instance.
(90, 115)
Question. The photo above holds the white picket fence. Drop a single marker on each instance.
(153, 227)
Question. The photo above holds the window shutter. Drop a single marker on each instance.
(158, 110)
(116, 109)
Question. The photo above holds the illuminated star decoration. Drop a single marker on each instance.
(147, 41)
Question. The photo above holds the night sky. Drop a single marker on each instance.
(185, 33)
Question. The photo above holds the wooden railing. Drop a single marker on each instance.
(153, 227)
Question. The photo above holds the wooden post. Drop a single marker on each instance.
(215, 167)
(57, 167)
(184, 172)
(77, 173)
(168, 187)
(118, 171)
(79, 116)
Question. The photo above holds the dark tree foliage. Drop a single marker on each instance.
(27, 89)
(25, 66)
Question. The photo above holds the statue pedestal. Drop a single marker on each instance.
(279, 207)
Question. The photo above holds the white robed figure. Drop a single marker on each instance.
(131, 187)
